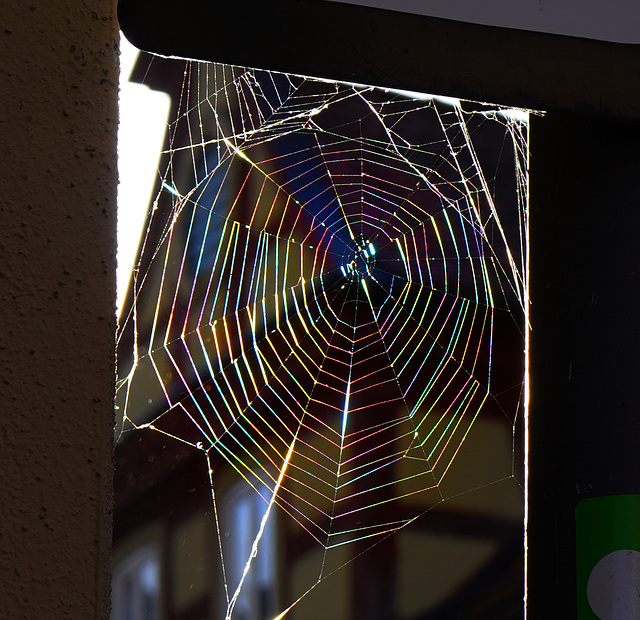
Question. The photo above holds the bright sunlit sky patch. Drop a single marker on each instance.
(143, 118)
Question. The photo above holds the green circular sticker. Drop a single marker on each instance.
(608, 557)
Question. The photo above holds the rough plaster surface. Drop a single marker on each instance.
(58, 122)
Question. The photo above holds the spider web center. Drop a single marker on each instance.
(359, 261)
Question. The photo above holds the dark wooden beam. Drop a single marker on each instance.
(395, 50)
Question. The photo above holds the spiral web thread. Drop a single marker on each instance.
(330, 281)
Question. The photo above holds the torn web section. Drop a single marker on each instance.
(330, 306)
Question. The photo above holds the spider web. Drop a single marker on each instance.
(331, 291)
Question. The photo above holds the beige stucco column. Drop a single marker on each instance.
(58, 122)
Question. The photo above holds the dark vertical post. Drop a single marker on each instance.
(58, 123)
(585, 341)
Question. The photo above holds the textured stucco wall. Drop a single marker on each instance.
(58, 121)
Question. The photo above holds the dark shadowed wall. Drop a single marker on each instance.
(58, 119)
